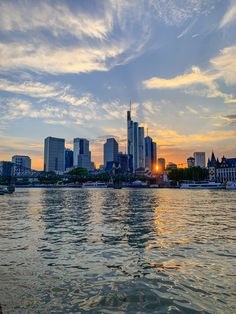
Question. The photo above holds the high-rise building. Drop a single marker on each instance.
(69, 154)
(154, 157)
(141, 148)
(191, 162)
(22, 165)
(135, 143)
(54, 154)
(200, 159)
(6, 168)
(82, 155)
(150, 154)
(110, 150)
(123, 160)
(161, 162)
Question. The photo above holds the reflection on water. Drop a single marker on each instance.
(107, 251)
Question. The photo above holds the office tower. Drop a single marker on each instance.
(110, 150)
(69, 154)
(190, 162)
(54, 154)
(154, 157)
(22, 165)
(200, 159)
(150, 154)
(161, 165)
(82, 155)
(135, 143)
(6, 168)
(141, 148)
(123, 160)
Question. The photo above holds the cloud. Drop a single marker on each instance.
(57, 18)
(192, 82)
(225, 64)
(175, 138)
(55, 91)
(229, 17)
(174, 12)
(37, 41)
(96, 40)
(44, 57)
(194, 77)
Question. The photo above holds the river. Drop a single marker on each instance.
(118, 251)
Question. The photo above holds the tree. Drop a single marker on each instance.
(80, 172)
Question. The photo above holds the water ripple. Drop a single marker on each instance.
(117, 251)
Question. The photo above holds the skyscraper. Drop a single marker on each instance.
(141, 148)
(68, 158)
(135, 143)
(22, 165)
(54, 154)
(150, 154)
(110, 150)
(200, 159)
(82, 155)
(161, 165)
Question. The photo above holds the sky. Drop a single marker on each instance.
(70, 69)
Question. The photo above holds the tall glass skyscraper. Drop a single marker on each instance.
(82, 155)
(135, 142)
(110, 150)
(54, 154)
(150, 154)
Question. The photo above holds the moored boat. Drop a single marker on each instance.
(202, 185)
(94, 185)
(231, 185)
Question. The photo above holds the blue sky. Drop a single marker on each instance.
(69, 69)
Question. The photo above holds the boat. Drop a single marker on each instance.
(94, 185)
(154, 186)
(202, 185)
(231, 185)
(138, 184)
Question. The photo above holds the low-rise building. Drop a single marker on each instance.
(222, 171)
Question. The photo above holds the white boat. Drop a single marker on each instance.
(138, 184)
(202, 185)
(231, 185)
(154, 186)
(94, 185)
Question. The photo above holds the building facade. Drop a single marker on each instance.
(110, 150)
(161, 162)
(69, 156)
(135, 143)
(21, 165)
(200, 159)
(222, 171)
(150, 154)
(82, 155)
(54, 154)
(6, 168)
(191, 162)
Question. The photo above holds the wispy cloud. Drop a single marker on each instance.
(221, 68)
(230, 15)
(57, 18)
(225, 64)
(195, 77)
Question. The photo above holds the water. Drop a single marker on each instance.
(118, 251)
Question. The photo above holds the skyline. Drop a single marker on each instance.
(73, 75)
